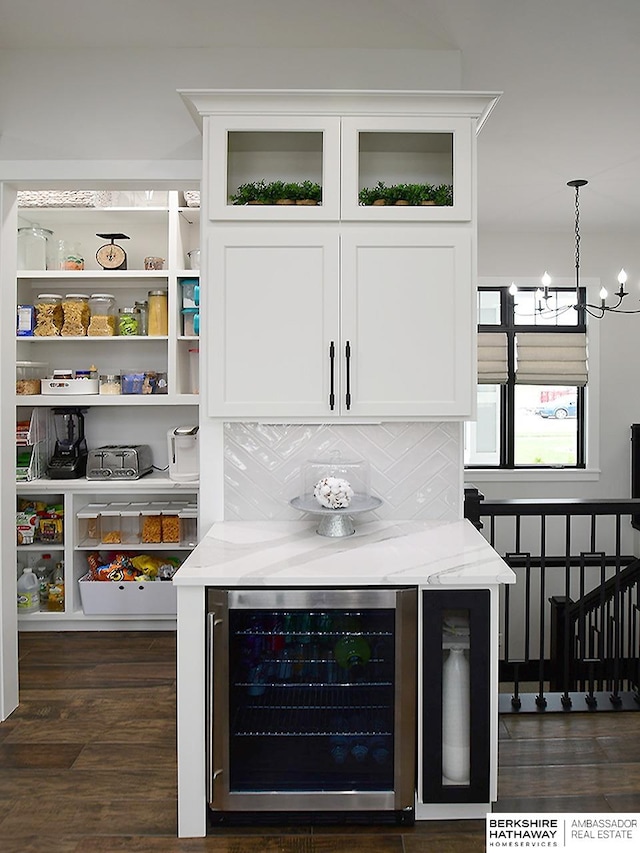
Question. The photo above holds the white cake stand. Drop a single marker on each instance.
(336, 522)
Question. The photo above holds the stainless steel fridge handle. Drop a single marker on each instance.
(212, 775)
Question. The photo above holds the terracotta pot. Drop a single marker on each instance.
(429, 203)
(285, 201)
(379, 202)
(401, 202)
(307, 201)
(256, 201)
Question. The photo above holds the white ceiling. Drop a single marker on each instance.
(569, 70)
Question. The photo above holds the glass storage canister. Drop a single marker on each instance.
(110, 383)
(69, 256)
(49, 315)
(28, 376)
(102, 307)
(128, 321)
(33, 247)
(143, 312)
(158, 320)
(75, 310)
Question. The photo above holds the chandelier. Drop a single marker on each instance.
(544, 297)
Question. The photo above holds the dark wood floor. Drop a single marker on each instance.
(88, 765)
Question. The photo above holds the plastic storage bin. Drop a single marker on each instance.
(151, 526)
(189, 526)
(190, 292)
(190, 322)
(194, 370)
(130, 525)
(89, 524)
(28, 376)
(110, 527)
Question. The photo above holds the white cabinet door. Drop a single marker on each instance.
(272, 304)
(408, 318)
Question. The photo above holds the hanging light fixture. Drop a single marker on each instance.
(544, 297)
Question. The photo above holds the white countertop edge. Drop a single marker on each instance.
(380, 553)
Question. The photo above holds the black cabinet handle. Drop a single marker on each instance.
(347, 356)
(332, 359)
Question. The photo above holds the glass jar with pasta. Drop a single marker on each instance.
(103, 315)
(75, 310)
(49, 316)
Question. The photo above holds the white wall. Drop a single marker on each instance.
(513, 254)
(92, 103)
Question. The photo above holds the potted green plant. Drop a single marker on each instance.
(309, 193)
(443, 195)
(373, 195)
(253, 192)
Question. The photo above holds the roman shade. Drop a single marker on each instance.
(492, 358)
(551, 358)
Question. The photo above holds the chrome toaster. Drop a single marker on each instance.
(119, 462)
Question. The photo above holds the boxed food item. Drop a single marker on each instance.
(26, 524)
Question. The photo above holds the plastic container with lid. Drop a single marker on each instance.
(33, 247)
(69, 256)
(151, 526)
(89, 524)
(188, 516)
(190, 292)
(129, 321)
(49, 316)
(194, 369)
(102, 307)
(28, 376)
(75, 309)
(110, 530)
(170, 524)
(158, 319)
(130, 525)
(110, 383)
(191, 322)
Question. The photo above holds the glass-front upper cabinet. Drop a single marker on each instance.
(274, 167)
(407, 168)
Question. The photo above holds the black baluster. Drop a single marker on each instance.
(590, 698)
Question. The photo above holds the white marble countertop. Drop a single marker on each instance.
(385, 553)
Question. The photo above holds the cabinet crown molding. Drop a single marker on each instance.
(459, 103)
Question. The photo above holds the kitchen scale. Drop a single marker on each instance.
(112, 256)
(69, 460)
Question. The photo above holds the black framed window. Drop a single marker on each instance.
(530, 421)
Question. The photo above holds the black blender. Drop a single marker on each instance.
(69, 460)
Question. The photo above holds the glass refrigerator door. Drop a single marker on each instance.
(311, 700)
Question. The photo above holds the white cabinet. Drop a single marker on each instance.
(372, 314)
(407, 315)
(346, 141)
(329, 322)
(273, 310)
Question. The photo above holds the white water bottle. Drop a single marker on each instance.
(28, 592)
(456, 729)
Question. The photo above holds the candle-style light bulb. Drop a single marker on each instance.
(546, 279)
(603, 296)
(513, 288)
(622, 277)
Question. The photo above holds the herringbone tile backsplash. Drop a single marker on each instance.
(415, 467)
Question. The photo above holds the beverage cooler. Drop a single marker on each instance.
(311, 701)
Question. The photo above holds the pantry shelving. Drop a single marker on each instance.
(166, 229)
